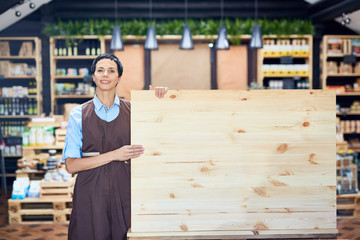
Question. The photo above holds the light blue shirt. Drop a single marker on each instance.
(74, 137)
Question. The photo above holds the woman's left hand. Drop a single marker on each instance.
(159, 91)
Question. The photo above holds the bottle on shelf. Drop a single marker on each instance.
(75, 50)
(87, 50)
(64, 48)
(93, 47)
(69, 50)
(6, 107)
(34, 88)
(60, 48)
(56, 48)
(2, 107)
(35, 110)
(98, 50)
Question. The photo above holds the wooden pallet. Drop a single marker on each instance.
(348, 205)
(54, 189)
(30, 211)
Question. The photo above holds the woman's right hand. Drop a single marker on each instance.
(128, 152)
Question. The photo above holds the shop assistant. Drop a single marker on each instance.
(97, 147)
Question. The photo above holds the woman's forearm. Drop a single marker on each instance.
(75, 165)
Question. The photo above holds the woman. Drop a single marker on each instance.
(97, 147)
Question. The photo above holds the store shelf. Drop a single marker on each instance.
(299, 43)
(348, 113)
(18, 57)
(344, 75)
(13, 156)
(18, 116)
(285, 75)
(70, 77)
(25, 53)
(73, 96)
(45, 147)
(9, 175)
(348, 94)
(339, 55)
(18, 77)
(298, 56)
(92, 57)
(65, 62)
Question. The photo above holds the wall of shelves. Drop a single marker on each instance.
(20, 62)
(340, 71)
(20, 92)
(285, 62)
(70, 70)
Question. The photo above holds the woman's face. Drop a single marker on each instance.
(106, 74)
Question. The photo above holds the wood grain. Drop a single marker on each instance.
(234, 161)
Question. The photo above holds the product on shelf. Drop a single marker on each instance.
(87, 47)
(20, 188)
(355, 106)
(334, 46)
(285, 69)
(355, 44)
(345, 68)
(5, 68)
(350, 126)
(72, 72)
(17, 106)
(283, 47)
(26, 49)
(13, 128)
(332, 67)
(9, 69)
(346, 163)
(4, 48)
(39, 136)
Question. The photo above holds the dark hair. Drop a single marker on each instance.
(108, 56)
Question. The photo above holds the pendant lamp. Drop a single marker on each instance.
(116, 40)
(222, 42)
(151, 42)
(186, 39)
(256, 39)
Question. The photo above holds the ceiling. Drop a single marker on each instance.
(319, 11)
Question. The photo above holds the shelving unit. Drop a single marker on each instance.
(65, 69)
(297, 67)
(24, 52)
(336, 50)
(20, 70)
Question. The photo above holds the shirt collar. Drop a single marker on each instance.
(99, 105)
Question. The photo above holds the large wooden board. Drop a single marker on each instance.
(234, 161)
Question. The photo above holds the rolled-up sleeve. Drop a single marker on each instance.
(73, 139)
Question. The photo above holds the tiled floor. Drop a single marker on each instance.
(349, 228)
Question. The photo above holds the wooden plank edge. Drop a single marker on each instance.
(246, 234)
(37, 222)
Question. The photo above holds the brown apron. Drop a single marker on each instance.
(101, 202)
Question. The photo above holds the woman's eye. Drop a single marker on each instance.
(112, 71)
(99, 70)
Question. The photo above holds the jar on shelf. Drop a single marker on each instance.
(345, 68)
(332, 67)
(357, 67)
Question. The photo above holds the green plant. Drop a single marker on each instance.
(207, 27)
